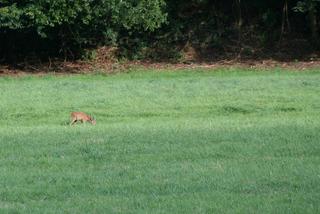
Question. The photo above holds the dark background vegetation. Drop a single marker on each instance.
(160, 30)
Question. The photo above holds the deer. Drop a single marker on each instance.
(82, 117)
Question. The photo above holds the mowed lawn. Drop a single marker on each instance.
(192, 141)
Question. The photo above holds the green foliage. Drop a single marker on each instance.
(148, 28)
(143, 14)
(81, 23)
(10, 17)
(306, 5)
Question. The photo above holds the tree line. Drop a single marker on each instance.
(152, 29)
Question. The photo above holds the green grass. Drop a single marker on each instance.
(184, 142)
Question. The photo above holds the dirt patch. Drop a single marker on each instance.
(81, 67)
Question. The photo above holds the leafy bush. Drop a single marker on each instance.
(78, 23)
(154, 29)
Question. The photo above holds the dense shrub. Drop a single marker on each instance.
(158, 29)
(67, 25)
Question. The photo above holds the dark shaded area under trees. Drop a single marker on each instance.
(160, 30)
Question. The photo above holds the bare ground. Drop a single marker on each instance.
(79, 67)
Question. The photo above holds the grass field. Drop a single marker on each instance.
(185, 142)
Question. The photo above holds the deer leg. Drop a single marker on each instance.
(73, 122)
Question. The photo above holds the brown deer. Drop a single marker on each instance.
(83, 117)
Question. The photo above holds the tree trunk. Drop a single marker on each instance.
(313, 26)
(239, 17)
(312, 18)
(285, 20)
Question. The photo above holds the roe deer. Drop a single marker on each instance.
(83, 117)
